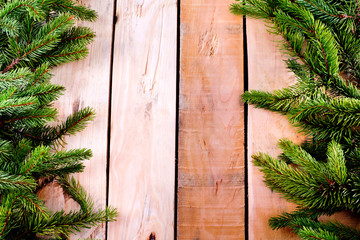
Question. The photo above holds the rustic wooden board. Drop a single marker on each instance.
(211, 125)
(267, 72)
(87, 84)
(142, 149)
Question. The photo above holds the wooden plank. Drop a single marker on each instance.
(87, 84)
(142, 158)
(266, 71)
(211, 125)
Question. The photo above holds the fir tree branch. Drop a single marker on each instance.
(48, 116)
(36, 35)
(49, 34)
(65, 54)
(74, 189)
(12, 65)
(37, 79)
(12, 182)
(62, 223)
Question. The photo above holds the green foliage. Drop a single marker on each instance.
(321, 176)
(35, 36)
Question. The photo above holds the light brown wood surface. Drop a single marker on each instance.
(142, 149)
(211, 177)
(211, 125)
(266, 71)
(87, 84)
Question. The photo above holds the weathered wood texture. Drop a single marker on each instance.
(266, 71)
(211, 124)
(211, 194)
(87, 84)
(142, 149)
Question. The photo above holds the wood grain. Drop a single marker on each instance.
(266, 71)
(211, 125)
(87, 84)
(142, 155)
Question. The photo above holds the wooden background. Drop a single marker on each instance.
(171, 144)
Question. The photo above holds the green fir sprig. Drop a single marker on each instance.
(322, 41)
(35, 36)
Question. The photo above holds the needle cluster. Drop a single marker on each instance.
(322, 41)
(35, 36)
